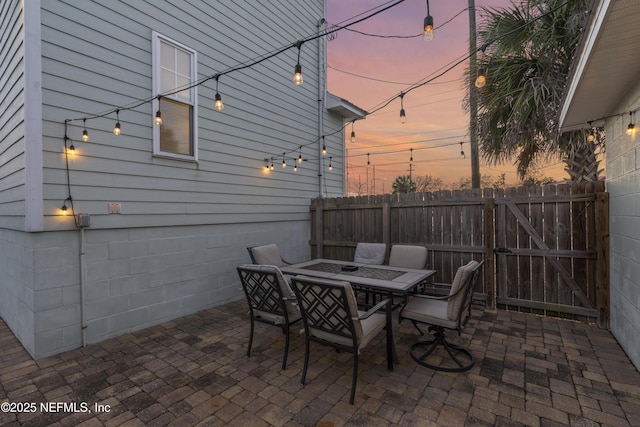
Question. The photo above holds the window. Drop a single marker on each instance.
(174, 71)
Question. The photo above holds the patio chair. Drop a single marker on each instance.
(267, 255)
(331, 317)
(270, 300)
(408, 256)
(370, 253)
(444, 312)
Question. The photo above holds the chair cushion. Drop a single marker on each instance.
(291, 303)
(267, 255)
(430, 311)
(370, 253)
(408, 256)
(461, 277)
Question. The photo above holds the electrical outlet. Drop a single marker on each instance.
(114, 208)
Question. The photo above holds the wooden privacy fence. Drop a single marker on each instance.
(545, 248)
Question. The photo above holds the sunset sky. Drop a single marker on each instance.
(369, 70)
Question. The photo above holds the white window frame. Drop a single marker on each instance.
(157, 39)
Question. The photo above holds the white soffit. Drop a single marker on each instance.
(608, 65)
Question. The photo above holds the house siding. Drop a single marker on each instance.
(184, 226)
(623, 185)
(12, 116)
(90, 66)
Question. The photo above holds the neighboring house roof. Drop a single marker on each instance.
(343, 107)
(607, 64)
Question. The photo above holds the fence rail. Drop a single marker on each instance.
(545, 248)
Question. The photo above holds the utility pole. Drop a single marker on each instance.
(473, 99)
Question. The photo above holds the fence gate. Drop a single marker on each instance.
(546, 250)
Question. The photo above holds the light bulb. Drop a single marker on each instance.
(72, 149)
(271, 167)
(116, 129)
(300, 158)
(403, 116)
(481, 80)
(85, 135)
(295, 168)
(330, 166)
(428, 33)
(219, 104)
(353, 137)
(324, 150)
(631, 129)
(297, 76)
(158, 118)
(64, 209)
(592, 136)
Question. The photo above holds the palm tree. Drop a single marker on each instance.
(527, 52)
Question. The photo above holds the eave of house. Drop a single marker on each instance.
(607, 65)
(343, 107)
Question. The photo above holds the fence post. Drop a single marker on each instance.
(319, 227)
(602, 259)
(489, 257)
(386, 225)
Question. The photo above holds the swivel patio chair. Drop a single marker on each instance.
(270, 300)
(267, 255)
(444, 312)
(331, 317)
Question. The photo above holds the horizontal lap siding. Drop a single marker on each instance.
(12, 160)
(92, 63)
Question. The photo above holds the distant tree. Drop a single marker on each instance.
(427, 183)
(535, 178)
(464, 182)
(403, 184)
(358, 187)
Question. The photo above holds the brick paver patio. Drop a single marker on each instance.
(529, 370)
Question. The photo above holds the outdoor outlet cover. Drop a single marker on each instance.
(114, 208)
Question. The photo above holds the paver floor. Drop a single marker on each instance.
(529, 370)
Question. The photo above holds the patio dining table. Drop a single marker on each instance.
(373, 277)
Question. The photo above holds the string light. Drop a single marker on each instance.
(297, 75)
(271, 167)
(295, 167)
(72, 149)
(632, 127)
(117, 129)
(353, 133)
(330, 166)
(461, 150)
(300, 155)
(428, 33)
(324, 147)
(481, 79)
(403, 116)
(592, 133)
(266, 165)
(219, 105)
(85, 134)
(368, 161)
(411, 151)
(64, 208)
(284, 162)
